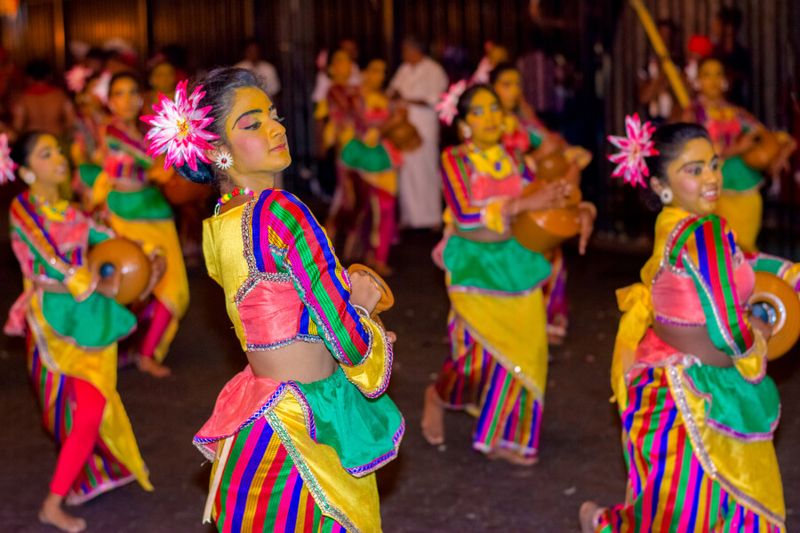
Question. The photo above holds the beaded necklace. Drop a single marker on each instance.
(228, 196)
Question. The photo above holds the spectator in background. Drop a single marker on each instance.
(734, 57)
(540, 78)
(418, 83)
(42, 106)
(266, 71)
(697, 48)
(655, 93)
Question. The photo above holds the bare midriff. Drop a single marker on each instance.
(483, 235)
(693, 340)
(305, 362)
(128, 185)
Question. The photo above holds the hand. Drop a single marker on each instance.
(391, 336)
(364, 291)
(588, 213)
(108, 286)
(158, 265)
(551, 196)
(759, 325)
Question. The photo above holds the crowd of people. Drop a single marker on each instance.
(296, 437)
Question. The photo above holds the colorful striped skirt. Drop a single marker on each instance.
(668, 488)
(508, 415)
(103, 471)
(260, 487)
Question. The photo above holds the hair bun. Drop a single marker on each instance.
(203, 175)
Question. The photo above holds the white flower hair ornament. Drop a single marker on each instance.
(102, 86)
(223, 159)
(633, 149)
(448, 103)
(76, 78)
(178, 128)
(7, 165)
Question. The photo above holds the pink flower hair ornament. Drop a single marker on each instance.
(178, 128)
(448, 103)
(7, 165)
(633, 149)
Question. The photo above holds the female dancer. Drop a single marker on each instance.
(734, 132)
(526, 135)
(295, 436)
(497, 368)
(72, 329)
(85, 149)
(138, 211)
(698, 411)
(376, 160)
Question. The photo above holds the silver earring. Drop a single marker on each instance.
(466, 131)
(27, 176)
(665, 195)
(223, 159)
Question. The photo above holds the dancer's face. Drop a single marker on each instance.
(255, 138)
(47, 162)
(509, 89)
(374, 75)
(695, 178)
(340, 68)
(125, 99)
(711, 78)
(163, 78)
(484, 118)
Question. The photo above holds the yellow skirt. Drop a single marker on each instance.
(98, 367)
(173, 289)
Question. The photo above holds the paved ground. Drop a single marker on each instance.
(450, 489)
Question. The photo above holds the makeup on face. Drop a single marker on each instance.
(695, 178)
(484, 118)
(47, 162)
(254, 134)
(125, 99)
(508, 87)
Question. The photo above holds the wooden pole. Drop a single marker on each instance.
(59, 38)
(673, 76)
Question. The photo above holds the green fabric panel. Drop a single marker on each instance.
(737, 176)
(88, 173)
(146, 204)
(734, 402)
(765, 263)
(96, 322)
(536, 137)
(359, 156)
(96, 237)
(504, 266)
(360, 429)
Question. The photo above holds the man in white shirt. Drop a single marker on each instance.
(252, 61)
(419, 83)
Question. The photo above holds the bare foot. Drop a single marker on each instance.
(52, 514)
(153, 367)
(433, 417)
(512, 457)
(587, 515)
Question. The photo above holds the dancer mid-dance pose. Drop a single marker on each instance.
(72, 330)
(735, 133)
(524, 135)
(698, 411)
(497, 368)
(138, 211)
(295, 436)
